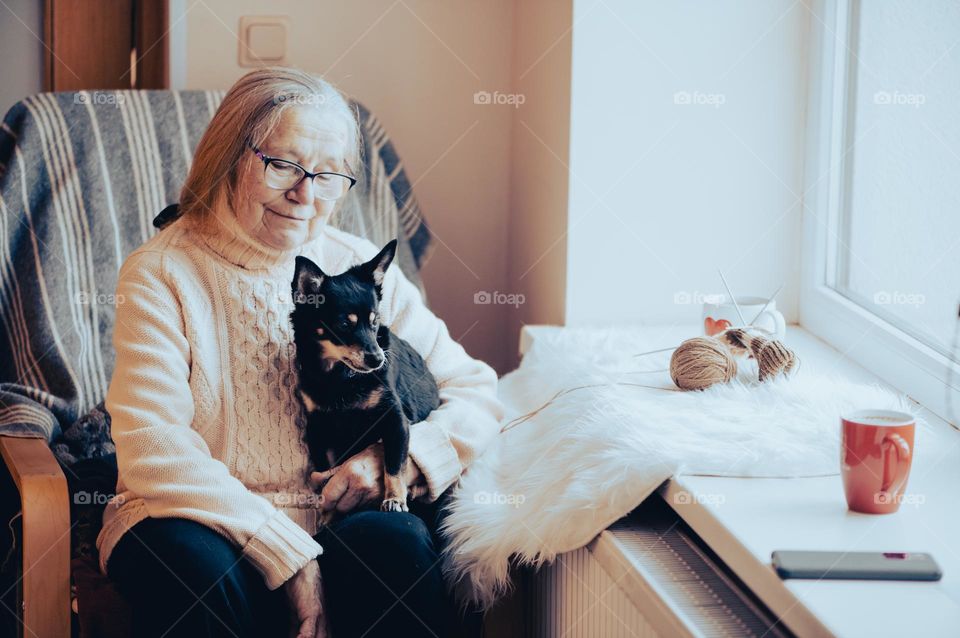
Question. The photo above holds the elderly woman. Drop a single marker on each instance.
(215, 528)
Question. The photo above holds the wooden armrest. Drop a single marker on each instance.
(45, 502)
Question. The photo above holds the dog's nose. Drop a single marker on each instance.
(373, 359)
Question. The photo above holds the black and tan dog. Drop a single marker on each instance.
(359, 382)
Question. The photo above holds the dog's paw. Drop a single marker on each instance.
(394, 505)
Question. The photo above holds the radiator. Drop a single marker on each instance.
(647, 575)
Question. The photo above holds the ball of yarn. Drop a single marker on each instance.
(701, 362)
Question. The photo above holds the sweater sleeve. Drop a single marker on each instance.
(445, 443)
(160, 457)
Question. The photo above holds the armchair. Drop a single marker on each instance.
(82, 177)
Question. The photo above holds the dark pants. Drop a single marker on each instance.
(380, 571)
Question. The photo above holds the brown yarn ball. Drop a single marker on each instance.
(701, 362)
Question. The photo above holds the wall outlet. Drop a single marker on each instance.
(263, 40)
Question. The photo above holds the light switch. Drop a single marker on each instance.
(263, 40)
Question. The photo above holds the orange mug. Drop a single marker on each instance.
(875, 457)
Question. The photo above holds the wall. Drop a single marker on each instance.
(685, 156)
(539, 167)
(659, 193)
(416, 64)
(21, 49)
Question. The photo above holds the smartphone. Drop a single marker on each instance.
(856, 565)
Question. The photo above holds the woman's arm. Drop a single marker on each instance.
(448, 440)
(161, 458)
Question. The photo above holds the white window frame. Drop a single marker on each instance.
(898, 358)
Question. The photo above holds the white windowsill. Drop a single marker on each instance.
(757, 516)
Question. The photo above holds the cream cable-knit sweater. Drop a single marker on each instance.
(203, 401)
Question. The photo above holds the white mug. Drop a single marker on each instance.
(719, 316)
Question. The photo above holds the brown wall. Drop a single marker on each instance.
(417, 65)
(538, 166)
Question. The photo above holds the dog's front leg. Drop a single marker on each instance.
(396, 440)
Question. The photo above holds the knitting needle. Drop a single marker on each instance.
(640, 354)
(772, 297)
(735, 304)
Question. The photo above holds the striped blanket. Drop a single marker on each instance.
(82, 177)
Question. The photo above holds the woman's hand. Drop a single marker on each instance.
(358, 481)
(305, 593)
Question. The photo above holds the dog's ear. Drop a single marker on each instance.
(307, 278)
(376, 268)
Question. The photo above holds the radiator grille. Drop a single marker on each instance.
(576, 598)
(670, 576)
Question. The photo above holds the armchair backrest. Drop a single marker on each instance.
(82, 176)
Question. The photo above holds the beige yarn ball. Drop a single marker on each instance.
(701, 362)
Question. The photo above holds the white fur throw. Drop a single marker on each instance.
(552, 483)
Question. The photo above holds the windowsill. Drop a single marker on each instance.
(757, 516)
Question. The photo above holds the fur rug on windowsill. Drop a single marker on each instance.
(550, 484)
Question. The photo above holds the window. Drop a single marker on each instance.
(900, 226)
(882, 206)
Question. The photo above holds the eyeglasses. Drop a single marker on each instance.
(285, 175)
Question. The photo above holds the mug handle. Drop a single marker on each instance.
(895, 473)
(781, 325)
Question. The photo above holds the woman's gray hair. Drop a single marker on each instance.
(248, 114)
